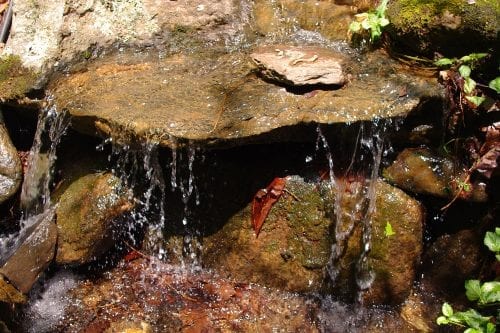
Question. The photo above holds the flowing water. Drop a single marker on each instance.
(161, 177)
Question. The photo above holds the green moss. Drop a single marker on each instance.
(15, 79)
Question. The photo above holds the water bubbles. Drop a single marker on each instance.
(309, 159)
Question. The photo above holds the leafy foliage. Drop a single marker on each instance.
(372, 22)
(484, 295)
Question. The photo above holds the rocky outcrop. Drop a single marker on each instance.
(86, 213)
(452, 28)
(214, 98)
(32, 255)
(420, 170)
(10, 165)
(15, 79)
(48, 34)
(300, 65)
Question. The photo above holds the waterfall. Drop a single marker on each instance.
(360, 179)
(35, 192)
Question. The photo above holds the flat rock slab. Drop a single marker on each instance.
(300, 65)
(214, 98)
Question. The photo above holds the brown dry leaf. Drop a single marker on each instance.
(488, 162)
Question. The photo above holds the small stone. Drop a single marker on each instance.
(298, 66)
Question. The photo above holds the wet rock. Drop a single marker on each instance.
(229, 106)
(10, 165)
(33, 254)
(294, 246)
(86, 213)
(129, 327)
(9, 293)
(15, 79)
(181, 301)
(329, 18)
(452, 28)
(393, 258)
(291, 251)
(299, 65)
(450, 261)
(62, 31)
(420, 170)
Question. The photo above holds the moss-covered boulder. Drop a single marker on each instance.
(86, 214)
(15, 79)
(450, 27)
(420, 170)
(292, 249)
(294, 246)
(393, 257)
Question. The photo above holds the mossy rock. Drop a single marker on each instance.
(450, 27)
(15, 79)
(9, 293)
(291, 250)
(86, 213)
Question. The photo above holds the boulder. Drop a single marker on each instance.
(10, 165)
(420, 170)
(213, 98)
(393, 258)
(452, 28)
(49, 34)
(292, 249)
(294, 246)
(33, 252)
(86, 213)
(300, 65)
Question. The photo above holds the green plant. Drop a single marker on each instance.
(464, 66)
(485, 295)
(388, 232)
(372, 21)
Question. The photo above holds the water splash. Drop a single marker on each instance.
(35, 192)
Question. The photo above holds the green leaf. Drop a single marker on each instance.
(498, 257)
(354, 26)
(464, 70)
(473, 57)
(473, 330)
(388, 230)
(447, 310)
(492, 240)
(442, 320)
(473, 289)
(490, 328)
(495, 84)
(383, 22)
(476, 100)
(491, 292)
(469, 85)
(444, 62)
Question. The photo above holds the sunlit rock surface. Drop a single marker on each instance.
(46, 34)
(299, 65)
(214, 98)
(33, 254)
(85, 217)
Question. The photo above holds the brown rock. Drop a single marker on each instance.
(300, 65)
(33, 255)
(85, 217)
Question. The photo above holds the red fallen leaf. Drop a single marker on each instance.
(264, 200)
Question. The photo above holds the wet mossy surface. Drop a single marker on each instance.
(15, 79)
(453, 28)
